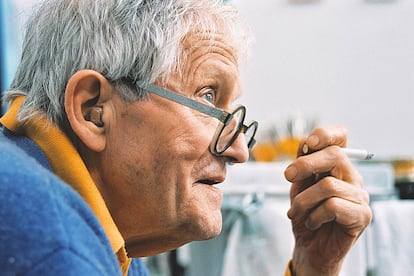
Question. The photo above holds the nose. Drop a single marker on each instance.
(238, 152)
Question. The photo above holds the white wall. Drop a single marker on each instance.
(348, 62)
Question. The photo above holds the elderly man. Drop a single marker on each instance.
(122, 120)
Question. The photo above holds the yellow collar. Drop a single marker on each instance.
(69, 166)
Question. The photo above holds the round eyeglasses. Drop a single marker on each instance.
(230, 126)
(227, 133)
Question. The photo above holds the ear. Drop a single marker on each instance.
(86, 96)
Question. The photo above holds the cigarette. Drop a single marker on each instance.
(358, 154)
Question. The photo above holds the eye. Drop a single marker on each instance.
(208, 95)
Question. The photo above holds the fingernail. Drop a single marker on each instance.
(291, 172)
(305, 149)
(313, 141)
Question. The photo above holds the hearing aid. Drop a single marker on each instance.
(95, 116)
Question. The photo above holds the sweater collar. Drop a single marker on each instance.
(69, 166)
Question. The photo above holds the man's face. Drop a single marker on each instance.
(157, 170)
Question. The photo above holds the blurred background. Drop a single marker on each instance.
(327, 62)
(337, 62)
(314, 62)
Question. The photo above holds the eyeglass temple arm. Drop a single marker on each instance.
(219, 114)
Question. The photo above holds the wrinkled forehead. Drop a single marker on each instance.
(208, 42)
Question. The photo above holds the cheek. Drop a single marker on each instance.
(150, 171)
(194, 208)
(201, 213)
(192, 138)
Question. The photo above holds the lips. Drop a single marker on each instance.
(210, 173)
(208, 182)
(211, 180)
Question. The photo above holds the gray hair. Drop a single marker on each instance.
(134, 39)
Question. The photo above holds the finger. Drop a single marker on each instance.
(352, 216)
(301, 146)
(330, 160)
(323, 137)
(328, 187)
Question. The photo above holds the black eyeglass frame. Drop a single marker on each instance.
(223, 116)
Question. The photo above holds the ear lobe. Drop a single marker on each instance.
(86, 96)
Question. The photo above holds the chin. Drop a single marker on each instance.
(210, 228)
(213, 235)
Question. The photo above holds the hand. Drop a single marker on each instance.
(329, 206)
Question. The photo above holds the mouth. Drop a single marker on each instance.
(210, 182)
(211, 175)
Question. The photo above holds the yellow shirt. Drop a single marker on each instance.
(69, 166)
(288, 272)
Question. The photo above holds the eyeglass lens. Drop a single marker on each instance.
(230, 131)
(249, 134)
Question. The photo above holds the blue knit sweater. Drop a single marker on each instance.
(46, 228)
